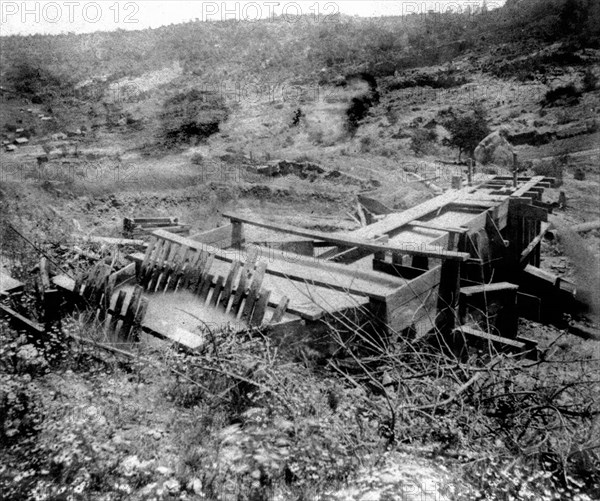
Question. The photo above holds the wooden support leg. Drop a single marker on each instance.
(449, 293)
(237, 235)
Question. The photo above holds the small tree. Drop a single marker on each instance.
(467, 131)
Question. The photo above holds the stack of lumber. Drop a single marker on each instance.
(140, 226)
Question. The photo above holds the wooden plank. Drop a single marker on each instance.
(352, 241)
(416, 301)
(193, 271)
(231, 278)
(9, 284)
(521, 190)
(124, 274)
(328, 254)
(109, 288)
(255, 286)
(176, 261)
(183, 267)
(112, 326)
(194, 275)
(406, 272)
(130, 312)
(96, 284)
(150, 272)
(165, 267)
(150, 250)
(259, 310)
(465, 204)
(113, 241)
(306, 269)
(20, 321)
(214, 300)
(332, 275)
(414, 288)
(448, 297)
(534, 243)
(420, 308)
(45, 278)
(140, 314)
(207, 282)
(439, 227)
(165, 278)
(206, 276)
(486, 288)
(140, 231)
(154, 220)
(241, 287)
(394, 221)
(246, 269)
(219, 237)
(280, 310)
(348, 255)
(496, 341)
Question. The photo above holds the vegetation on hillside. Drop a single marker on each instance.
(191, 116)
(466, 130)
(280, 49)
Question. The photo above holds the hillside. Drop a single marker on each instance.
(195, 120)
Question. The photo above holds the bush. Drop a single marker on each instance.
(198, 159)
(191, 116)
(567, 95)
(554, 169)
(590, 81)
(421, 141)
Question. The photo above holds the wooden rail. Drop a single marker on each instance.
(350, 241)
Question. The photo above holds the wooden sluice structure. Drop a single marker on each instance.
(453, 265)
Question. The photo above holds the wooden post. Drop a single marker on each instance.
(515, 170)
(381, 255)
(237, 235)
(470, 172)
(448, 296)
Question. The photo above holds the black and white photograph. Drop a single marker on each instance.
(300, 250)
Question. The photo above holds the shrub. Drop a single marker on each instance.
(554, 169)
(590, 81)
(564, 95)
(198, 159)
(421, 141)
(365, 144)
(191, 116)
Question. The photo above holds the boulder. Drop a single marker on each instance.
(495, 149)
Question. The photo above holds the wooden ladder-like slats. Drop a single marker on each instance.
(169, 266)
